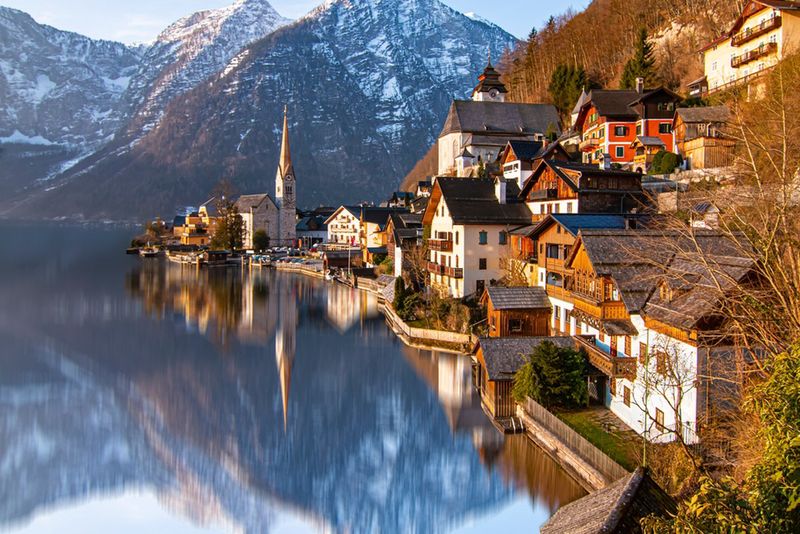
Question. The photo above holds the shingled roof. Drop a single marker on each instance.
(473, 201)
(517, 298)
(245, 202)
(505, 355)
(498, 118)
(617, 508)
(704, 115)
(573, 174)
(575, 222)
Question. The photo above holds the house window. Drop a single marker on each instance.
(661, 363)
(483, 238)
(480, 285)
(620, 131)
(714, 66)
(660, 420)
(626, 396)
(503, 237)
(642, 353)
(456, 236)
(515, 325)
(620, 151)
(482, 264)
(569, 207)
(638, 129)
(628, 346)
(665, 128)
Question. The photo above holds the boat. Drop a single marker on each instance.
(148, 252)
(215, 258)
(182, 258)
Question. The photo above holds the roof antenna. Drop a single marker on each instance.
(490, 56)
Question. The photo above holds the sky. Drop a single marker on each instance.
(139, 21)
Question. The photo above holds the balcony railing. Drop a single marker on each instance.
(440, 245)
(454, 272)
(435, 268)
(543, 194)
(756, 31)
(589, 145)
(611, 366)
(757, 53)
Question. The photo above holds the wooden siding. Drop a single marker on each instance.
(532, 322)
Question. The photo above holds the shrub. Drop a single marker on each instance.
(665, 162)
(260, 240)
(553, 377)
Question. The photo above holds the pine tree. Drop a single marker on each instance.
(566, 85)
(641, 65)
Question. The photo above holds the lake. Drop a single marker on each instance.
(142, 396)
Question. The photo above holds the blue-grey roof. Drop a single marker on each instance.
(575, 222)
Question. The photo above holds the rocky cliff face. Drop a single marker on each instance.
(367, 82)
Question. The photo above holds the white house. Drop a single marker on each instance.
(344, 226)
(470, 219)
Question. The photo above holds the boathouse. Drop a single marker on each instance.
(517, 311)
(498, 360)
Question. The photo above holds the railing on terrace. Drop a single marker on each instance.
(454, 272)
(756, 31)
(435, 268)
(763, 50)
(611, 366)
(440, 245)
(738, 81)
(589, 144)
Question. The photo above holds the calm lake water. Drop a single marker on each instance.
(136, 396)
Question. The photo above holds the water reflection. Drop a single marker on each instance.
(237, 399)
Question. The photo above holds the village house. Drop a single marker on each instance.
(498, 360)
(647, 319)
(520, 158)
(765, 32)
(344, 226)
(311, 230)
(557, 186)
(614, 124)
(470, 219)
(517, 311)
(403, 231)
(699, 137)
(191, 229)
(476, 131)
(372, 237)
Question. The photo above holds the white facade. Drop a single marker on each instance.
(344, 227)
(544, 207)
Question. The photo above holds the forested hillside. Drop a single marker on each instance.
(601, 38)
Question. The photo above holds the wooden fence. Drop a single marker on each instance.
(576, 443)
(441, 336)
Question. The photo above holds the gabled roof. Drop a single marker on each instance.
(311, 223)
(526, 150)
(355, 211)
(647, 95)
(517, 298)
(473, 201)
(704, 115)
(245, 202)
(648, 140)
(505, 355)
(498, 118)
(619, 507)
(574, 223)
(573, 174)
(615, 103)
(406, 226)
(379, 216)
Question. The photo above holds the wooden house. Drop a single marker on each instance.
(699, 137)
(519, 158)
(517, 311)
(498, 360)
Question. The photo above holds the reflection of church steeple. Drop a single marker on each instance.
(285, 348)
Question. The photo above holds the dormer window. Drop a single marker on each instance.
(665, 292)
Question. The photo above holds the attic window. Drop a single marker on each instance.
(665, 292)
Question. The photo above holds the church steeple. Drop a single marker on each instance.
(489, 88)
(285, 164)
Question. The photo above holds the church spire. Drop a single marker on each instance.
(286, 157)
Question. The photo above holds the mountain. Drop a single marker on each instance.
(191, 50)
(367, 82)
(59, 87)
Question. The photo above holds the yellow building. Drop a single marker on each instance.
(765, 32)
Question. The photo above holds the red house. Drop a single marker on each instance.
(611, 121)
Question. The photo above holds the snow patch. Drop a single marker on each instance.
(19, 137)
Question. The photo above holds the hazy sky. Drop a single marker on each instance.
(142, 20)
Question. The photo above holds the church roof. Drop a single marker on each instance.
(499, 118)
(285, 163)
(246, 202)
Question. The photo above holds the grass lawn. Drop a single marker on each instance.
(621, 449)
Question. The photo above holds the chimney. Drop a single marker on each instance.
(500, 190)
(640, 85)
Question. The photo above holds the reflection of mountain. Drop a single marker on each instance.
(145, 402)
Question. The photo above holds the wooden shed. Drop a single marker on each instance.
(498, 360)
(517, 311)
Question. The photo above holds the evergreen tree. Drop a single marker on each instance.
(553, 376)
(641, 65)
(566, 85)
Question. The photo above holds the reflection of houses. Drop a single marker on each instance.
(346, 308)
(698, 135)
(517, 311)
(470, 219)
(285, 345)
(498, 360)
(764, 33)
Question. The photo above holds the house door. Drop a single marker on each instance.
(597, 390)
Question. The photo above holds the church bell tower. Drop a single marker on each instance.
(285, 190)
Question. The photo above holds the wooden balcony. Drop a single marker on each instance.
(440, 245)
(589, 145)
(757, 53)
(435, 268)
(604, 311)
(611, 366)
(756, 31)
(543, 194)
(454, 272)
